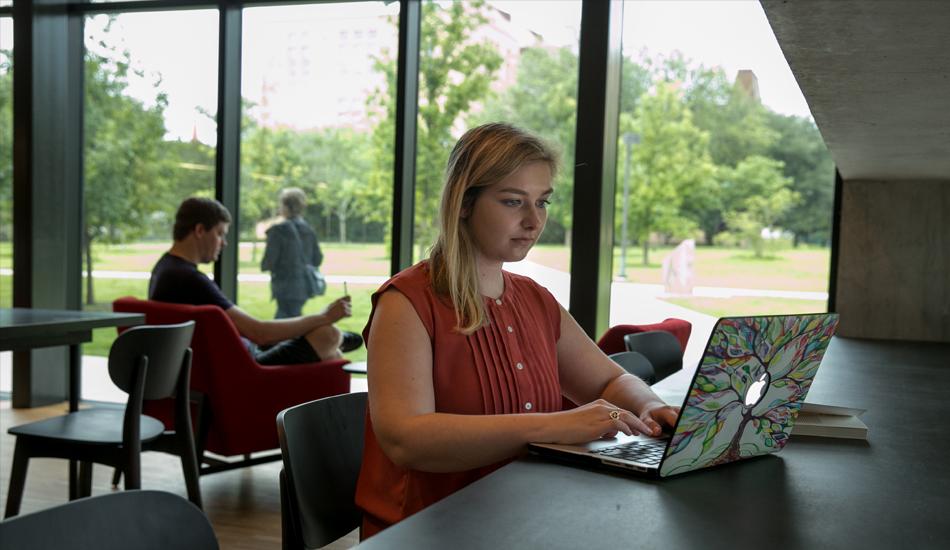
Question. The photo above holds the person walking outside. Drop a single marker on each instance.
(293, 257)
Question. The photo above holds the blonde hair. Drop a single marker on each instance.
(293, 200)
(484, 155)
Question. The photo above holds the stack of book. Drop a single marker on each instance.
(830, 421)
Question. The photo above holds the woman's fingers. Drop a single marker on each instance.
(637, 426)
(625, 421)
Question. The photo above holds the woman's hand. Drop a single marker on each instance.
(659, 417)
(595, 420)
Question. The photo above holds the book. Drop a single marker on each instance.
(830, 421)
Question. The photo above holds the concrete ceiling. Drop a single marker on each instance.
(876, 74)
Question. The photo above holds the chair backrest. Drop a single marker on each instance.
(165, 348)
(322, 447)
(635, 363)
(145, 520)
(661, 348)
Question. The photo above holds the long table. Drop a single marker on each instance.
(892, 491)
(25, 329)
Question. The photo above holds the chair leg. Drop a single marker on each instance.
(21, 461)
(116, 477)
(189, 466)
(85, 479)
(72, 469)
(133, 469)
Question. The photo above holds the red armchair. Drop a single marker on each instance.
(241, 399)
(612, 340)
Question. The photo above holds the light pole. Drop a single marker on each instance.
(629, 139)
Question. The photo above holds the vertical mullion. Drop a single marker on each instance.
(404, 163)
(227, 159)
(598, 99)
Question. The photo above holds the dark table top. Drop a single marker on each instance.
(892, 491)
(25, 327)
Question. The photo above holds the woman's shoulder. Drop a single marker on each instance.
(415, 277)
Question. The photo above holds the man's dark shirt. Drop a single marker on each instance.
(178, 281)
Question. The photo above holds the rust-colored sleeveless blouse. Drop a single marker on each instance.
(507, 367)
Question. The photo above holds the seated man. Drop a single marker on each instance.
(201, 228)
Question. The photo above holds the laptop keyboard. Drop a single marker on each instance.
(646, 452)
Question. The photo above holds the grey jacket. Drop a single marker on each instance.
(287, 261)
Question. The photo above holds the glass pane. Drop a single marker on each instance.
(315, 79)
(6, 162)
(724, 185)
(150, 139)
(499, 61)
(6, 185)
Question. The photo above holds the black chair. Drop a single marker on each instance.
(148, 362)
(635, 363)
(661, 348)
(145, 520)
(322, 447)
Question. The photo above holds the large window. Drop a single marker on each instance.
(499, 61)
(724, 185)
(315, 89)
(149, 142)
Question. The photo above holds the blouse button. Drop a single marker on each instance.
(519, 366)
(510, 329)
(527, 406)
(497, 301)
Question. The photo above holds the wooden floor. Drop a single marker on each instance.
(243, 505)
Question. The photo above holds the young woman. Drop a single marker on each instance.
(468, 363)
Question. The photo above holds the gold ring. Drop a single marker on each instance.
(615, 414)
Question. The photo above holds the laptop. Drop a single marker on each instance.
(742, 401)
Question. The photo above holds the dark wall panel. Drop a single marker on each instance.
(894, 260)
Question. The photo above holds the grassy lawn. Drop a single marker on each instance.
(803, 269)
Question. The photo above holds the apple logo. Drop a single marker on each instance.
(756, 390)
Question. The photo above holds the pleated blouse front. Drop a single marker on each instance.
(506, 367)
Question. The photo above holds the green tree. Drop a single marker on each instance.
(337, 161)
(737, 125)
(124, 154)
(670, 160)
(543, 100)
(455, 73)
(810, 167)
(758, 195)
(270, 161)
